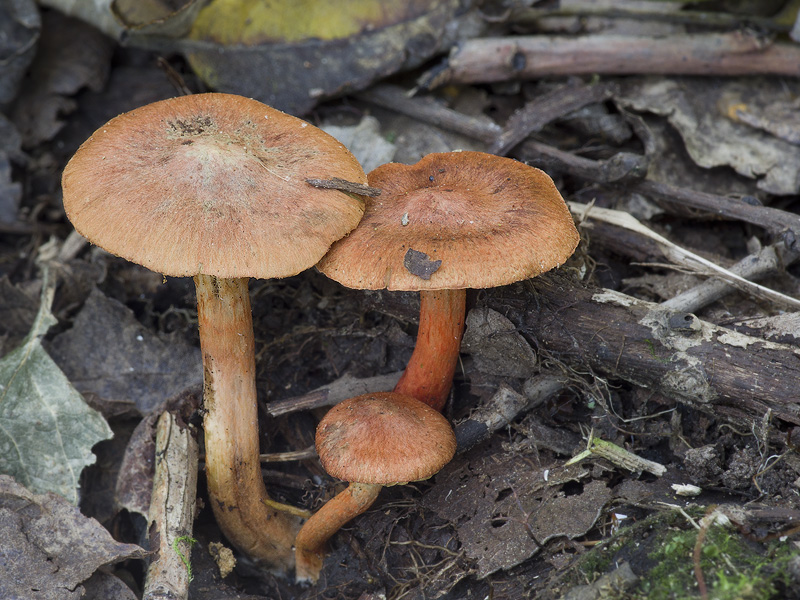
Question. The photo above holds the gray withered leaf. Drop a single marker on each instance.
(46, 428)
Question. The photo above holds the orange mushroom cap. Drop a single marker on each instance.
(212, 184)
(384, 438)
(455, 220)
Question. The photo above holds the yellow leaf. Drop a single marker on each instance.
(252, 22)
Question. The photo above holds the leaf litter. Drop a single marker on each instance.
(49, 548)
(46, 428)
(134, 369)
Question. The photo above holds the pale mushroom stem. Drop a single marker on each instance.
(310, 542)
(430, 371)
(235, 486)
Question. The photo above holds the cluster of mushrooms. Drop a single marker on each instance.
(215, 186)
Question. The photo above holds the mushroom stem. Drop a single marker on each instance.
(235, 486)
(310, 542)
(430, 371)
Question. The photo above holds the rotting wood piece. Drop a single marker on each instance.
(716, 370)
(343, 388)
(172, 511)
(547, 108)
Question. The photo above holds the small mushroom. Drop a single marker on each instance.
(213, 186)
(371, 441)
(451, 221)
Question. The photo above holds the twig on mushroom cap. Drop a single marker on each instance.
(213, 186)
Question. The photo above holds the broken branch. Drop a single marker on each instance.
(486, 60)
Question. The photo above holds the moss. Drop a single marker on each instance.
(660, 549)
(733, 567)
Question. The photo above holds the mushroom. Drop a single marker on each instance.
(371, 441)
(451, 221)
(213, 186)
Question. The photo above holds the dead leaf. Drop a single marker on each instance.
(365, 141)
(496, 346)
(49, 548)
(70, 57)
(122, 365)
(420, 264)
(171, 18)
(669, 162)
(46, 429)
(711, 138)
(291, 54)
(18, 310)
(505, 506)
(103, 585)
(772, 110)
(95, 12)
(10, 151)
(19, 31)
(414, 138)
(135, 481)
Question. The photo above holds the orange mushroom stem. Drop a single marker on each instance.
(429, 373)
(355, 499)
(235, 486)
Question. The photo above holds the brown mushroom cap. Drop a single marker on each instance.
(384, 438)
(212, 184)
(489, 220)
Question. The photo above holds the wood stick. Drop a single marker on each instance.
(172, 510)
(429, 110)
(504, 406)
(768, 260)
(774, 220)
(681, 256)
(733, 376)
(545, 109)
(783, 328)
(533, 16)
(345, 387)
(486, 60)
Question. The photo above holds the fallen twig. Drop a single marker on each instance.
(617, 456)
(486, 60)
(768, 260)
(545, 109)
(429, 110)
(172, 509)
(289, 456)
(504, 406)
(343, 185)
(345, 387)
(705, 19)
(682, 256)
